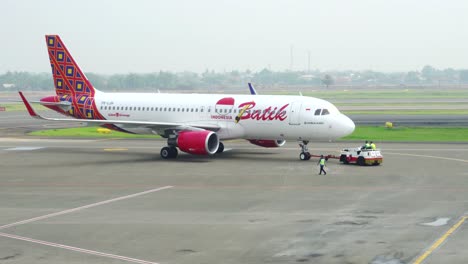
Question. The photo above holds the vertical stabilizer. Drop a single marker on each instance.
(70, 82)
(68, 77)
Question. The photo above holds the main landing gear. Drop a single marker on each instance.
(169, 152)
(305, 154)
(220, 148)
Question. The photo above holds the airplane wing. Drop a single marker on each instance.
(149, 124)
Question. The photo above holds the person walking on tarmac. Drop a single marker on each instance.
(321, 162)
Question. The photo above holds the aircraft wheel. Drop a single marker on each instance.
(165, 153)
(304, 156)
(220, 147)
(173, 152)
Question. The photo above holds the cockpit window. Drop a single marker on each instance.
(317, 112)
(325, 112)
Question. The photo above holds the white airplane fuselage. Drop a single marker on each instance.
(275, 117)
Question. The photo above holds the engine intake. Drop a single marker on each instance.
(198, 142)
(267, 143)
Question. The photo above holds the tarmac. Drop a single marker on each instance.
(117, 201)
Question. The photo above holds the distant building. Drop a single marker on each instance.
(9, 85)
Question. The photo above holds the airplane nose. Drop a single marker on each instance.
(346, 126)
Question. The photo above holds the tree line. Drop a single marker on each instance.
(165, 80)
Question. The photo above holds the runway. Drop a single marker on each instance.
(116, 201)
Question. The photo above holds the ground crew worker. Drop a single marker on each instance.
(366, 146)
(321, 162)
(373, 145)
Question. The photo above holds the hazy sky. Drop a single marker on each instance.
(148, 36)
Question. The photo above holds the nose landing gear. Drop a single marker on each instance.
(305, 154)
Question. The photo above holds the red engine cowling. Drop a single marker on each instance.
(198, 142)
(268, 143)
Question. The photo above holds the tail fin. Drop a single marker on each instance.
(68, 77)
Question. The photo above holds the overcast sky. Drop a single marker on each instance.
(148, 36)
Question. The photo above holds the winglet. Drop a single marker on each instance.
(28, 106)
(252, 89)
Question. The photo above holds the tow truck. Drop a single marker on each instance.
(361, 156)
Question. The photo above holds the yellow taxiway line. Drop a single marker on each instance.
(439, 241)
(115, 149)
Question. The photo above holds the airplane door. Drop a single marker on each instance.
(295, 116)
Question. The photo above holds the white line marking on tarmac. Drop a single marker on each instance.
(439, 222)
(427, 156)
(23, 148)
(83, 207)
(87, 251)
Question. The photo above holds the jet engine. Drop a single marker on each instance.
(202, 142)
(268, 143)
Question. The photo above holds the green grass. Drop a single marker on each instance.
(381, 94)
(407, 112)
(419, 134)
(362, 133)
(86, 132)
(20, 107)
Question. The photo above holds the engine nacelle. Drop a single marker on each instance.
(268, 143)
(198, 142)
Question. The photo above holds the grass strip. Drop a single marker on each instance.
(413, 134)
(407, 112)
(20, 107)
(86, 132)
(362, 133)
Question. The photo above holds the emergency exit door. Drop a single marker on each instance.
(295, 113)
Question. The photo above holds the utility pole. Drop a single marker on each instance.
(291, 59)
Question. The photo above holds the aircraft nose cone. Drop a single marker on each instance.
(344, 126)
(348, 125)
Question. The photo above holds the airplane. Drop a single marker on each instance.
(192, 123)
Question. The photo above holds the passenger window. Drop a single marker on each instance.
(178, 109)
(196, 109)
(317, 112)
(164, 109)
(139, 108)
(325, 112)
(191, 110)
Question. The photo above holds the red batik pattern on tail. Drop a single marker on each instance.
(70, 82)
